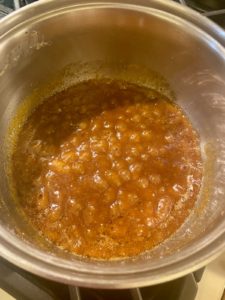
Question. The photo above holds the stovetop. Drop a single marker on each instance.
(25, 286)
(213, 9)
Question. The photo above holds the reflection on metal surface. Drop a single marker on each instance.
(31, 41)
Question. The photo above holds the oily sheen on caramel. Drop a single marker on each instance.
(107, 169)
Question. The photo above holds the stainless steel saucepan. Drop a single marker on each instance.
(187, 49)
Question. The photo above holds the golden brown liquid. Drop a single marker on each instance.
(107, 169)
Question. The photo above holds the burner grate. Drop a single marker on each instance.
(4, 11)
(213, 9)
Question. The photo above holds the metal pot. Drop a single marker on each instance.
(180, 44)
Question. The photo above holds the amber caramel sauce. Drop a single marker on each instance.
(107, 169)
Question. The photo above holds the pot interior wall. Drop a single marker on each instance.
(119, 39)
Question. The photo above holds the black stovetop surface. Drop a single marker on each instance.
(25, 286)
